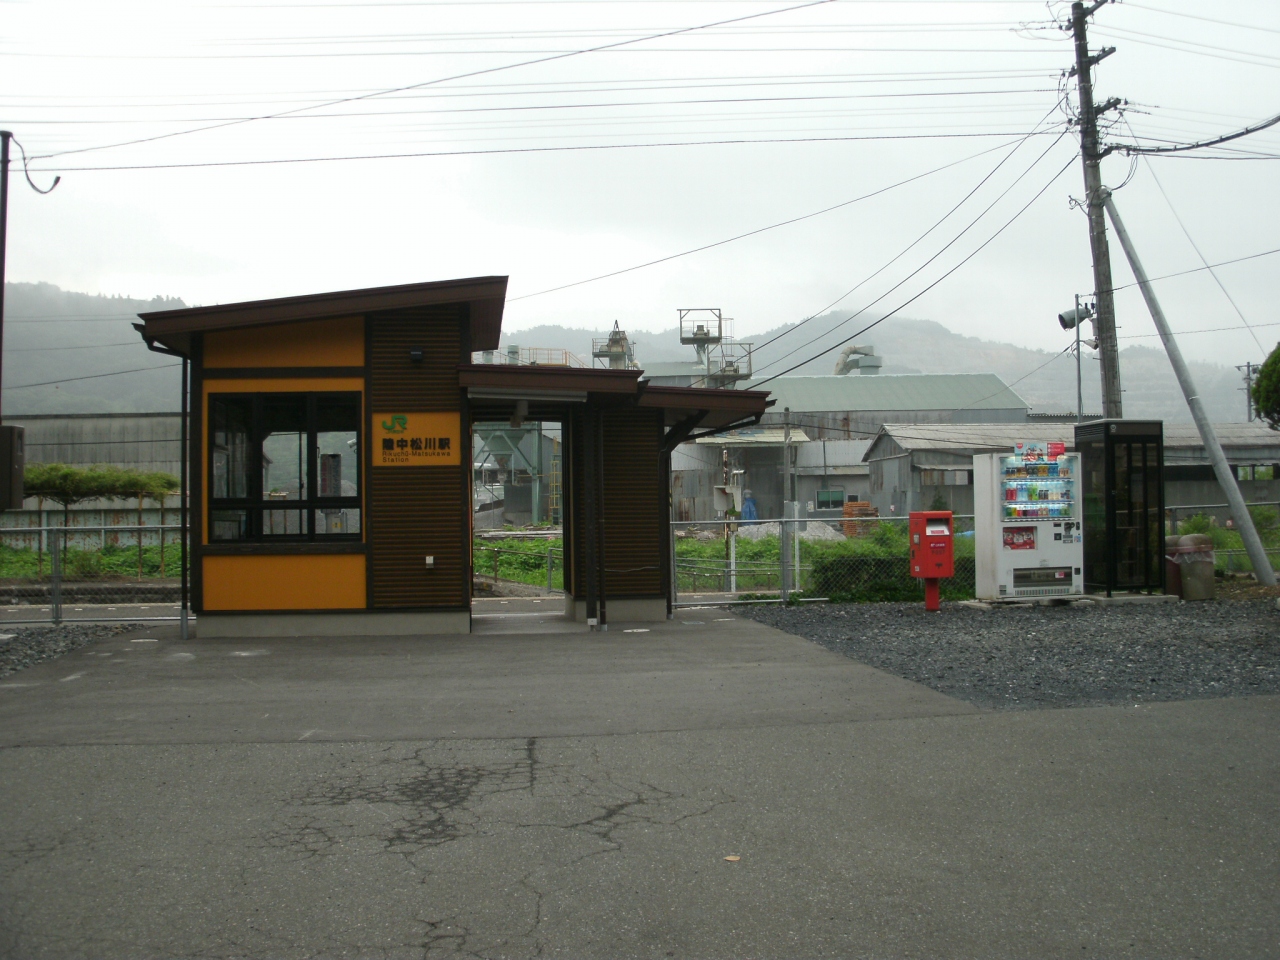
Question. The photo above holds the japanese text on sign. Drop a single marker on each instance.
(416, 439)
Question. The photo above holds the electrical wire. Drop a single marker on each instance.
(759, 230)
(935, 283)
(905, 250)
(1194, 246)
(461, 76)
(1192, 16)
(1130, 149)
(516, 150)
(1183, 273)
(974, 222)
(92, 376)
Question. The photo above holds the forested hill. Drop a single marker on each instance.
(1047, 381)
(54, 335)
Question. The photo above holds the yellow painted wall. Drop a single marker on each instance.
(338, 342)
(282, 582)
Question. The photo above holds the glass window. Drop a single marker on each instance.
(284, 465)
(230, 423)
(830, 499)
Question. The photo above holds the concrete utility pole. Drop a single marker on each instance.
(1249, 370)
(1105, 321)
(1226, 476)
(5, 137)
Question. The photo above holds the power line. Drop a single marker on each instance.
(1192, 16)
(935, 283)
(919, 269)
(1221, 263)
(460, 76)
(516, 150)
(94, 376)
(1194, 246)
(1130, 149)
(759, 230)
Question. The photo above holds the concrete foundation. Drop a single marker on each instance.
(354, 624)
(629, 609)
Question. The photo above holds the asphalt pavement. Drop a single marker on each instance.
(560, 793)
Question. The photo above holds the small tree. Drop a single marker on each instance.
(1266, 390)
(67, 486)
(137, 485)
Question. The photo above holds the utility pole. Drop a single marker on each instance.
(1105, 323)
(5, 137)
(1249, 370)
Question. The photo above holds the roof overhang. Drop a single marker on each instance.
(172, 330)
(701, 409)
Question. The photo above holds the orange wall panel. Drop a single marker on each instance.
(314, 343)
(282, 582)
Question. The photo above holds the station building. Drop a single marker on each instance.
(330, 460)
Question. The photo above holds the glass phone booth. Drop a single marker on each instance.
(1122, 465)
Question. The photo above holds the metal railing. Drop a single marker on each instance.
(528, 567)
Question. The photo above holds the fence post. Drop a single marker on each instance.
(55, 574)
(785, 533)
(733, 561)
(549, 562)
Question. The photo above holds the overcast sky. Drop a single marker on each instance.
(855, 97)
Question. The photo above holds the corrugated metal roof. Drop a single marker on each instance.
(992, 437)
(929, 391)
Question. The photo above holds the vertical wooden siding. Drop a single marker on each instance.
(633, 493)
(416, 512)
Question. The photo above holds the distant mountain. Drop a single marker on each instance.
(1047, 381)
(55, 335)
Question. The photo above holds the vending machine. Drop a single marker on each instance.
(1028, 536)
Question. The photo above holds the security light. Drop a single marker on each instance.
(1072, 318)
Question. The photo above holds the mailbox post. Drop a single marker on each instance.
(932, 551)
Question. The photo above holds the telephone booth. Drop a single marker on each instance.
(1122, 462)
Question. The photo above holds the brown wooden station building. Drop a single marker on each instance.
(330, 461)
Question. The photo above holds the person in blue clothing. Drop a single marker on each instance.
(749, 513)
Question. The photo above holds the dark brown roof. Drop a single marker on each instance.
(718, 408)
(486, 296)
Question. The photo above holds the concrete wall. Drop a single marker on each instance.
(137, 441)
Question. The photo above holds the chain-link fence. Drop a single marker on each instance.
(52, 574)
(850, 559)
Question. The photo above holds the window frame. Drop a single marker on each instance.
(829, 490)
(254, 503)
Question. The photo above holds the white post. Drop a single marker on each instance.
(1226, 477)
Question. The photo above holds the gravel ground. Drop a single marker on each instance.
(26, 647)
(1027, 657)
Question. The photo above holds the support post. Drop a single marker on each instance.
(5, 137)
(1091, 157)
(932, 602)
(1226, 476)
(55, 573)
(183, 521)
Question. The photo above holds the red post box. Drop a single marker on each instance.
(932, 551)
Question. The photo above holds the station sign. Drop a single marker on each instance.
(417, 439)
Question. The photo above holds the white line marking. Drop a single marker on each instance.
(637, 630)
(144, 640)
(74, 676)
(309, 733)
(249, 653)
(16, 686)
